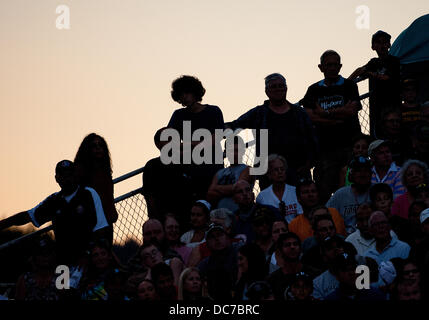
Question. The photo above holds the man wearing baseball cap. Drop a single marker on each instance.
(347, 199)
(76, 213)
(385, 169)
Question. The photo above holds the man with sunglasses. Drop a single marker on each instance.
(290, 131)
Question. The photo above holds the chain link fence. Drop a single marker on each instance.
(132, 208)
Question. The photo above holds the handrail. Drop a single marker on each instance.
(25, 237)
(50, 227)
(128, 175)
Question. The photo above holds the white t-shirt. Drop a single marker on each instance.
(293, 208)
(187, 237)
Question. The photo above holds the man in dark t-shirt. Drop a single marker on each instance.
(332, 105)
(290, 131)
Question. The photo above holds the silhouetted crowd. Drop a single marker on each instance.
(340, 215)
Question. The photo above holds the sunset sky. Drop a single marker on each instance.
(111, 72)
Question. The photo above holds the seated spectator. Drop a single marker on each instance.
(381, 197)
(319, 256)
(191, 286)
(276, 260)
(385, 247)
(347, 199)
(391, 130)
(262, 221)
(413, 173)
(39, 283)
(301, 288)
(164, 281)
(156, 190)
(251, 266)
(219, 269)
(220, 193)
(172, 235)
(308, 197)
(146, 291)
(385, 169)
(224, 218)
(153, 232)
(151, 256)
(362, 238)
(360, 145)
(321, 230)
(290, 246)
(326, 282)
(409, 276)
(344, 269)
(245, 200)
(200, 218)
(280, 195)
(410, 271)
(102, 264)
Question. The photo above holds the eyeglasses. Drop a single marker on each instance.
(409, 272)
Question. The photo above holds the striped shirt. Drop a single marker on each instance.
(392, 178)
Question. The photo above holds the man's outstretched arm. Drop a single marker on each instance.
(18, 219)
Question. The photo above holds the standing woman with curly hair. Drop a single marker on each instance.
(94, 169)
(189, 92)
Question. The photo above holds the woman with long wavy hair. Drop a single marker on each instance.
(94, 169)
